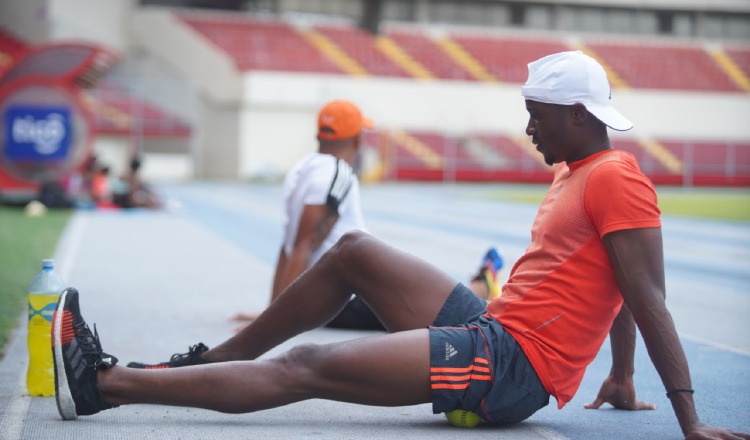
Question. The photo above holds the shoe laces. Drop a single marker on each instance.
(193, 351)
(89, 344)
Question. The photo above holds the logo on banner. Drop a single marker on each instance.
(37, 133)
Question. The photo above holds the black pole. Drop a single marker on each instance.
(371, 10)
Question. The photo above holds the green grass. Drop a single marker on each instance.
(727, 204)
(24, 242)
(713, 203)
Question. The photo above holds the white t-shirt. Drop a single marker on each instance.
(321, 179)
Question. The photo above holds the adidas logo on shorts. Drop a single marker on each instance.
(449, 351)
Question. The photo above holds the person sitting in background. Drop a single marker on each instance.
(322, 202)
(101, 193)
(132, 192)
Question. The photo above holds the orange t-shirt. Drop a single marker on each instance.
(561, 296)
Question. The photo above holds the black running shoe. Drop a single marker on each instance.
(78, 355)
(192, 357)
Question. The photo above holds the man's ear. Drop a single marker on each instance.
(579, 113)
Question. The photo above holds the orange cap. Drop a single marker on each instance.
(341, 119)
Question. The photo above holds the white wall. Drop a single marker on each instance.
(279, 111)
(217, 128)
(273, 138)
(171, 42)
(103, 21)
(27, 19)
(217, 149)
(159, 167)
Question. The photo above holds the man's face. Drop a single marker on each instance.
(547, 129)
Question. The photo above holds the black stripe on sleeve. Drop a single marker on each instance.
(342, 183)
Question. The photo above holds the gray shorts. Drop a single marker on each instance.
(475, 365)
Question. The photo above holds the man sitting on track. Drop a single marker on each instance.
(594, 266)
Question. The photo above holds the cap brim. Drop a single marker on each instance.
(610, 117)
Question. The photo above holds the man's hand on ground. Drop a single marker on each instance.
(621, 395)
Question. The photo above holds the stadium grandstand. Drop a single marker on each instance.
(228, 89)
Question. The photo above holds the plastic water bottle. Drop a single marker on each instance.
(44, 291)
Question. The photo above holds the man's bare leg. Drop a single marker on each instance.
(404, 292)
(384, 370)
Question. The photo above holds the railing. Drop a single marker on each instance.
(452, 159)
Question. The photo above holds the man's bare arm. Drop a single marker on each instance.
(276, 288)
(638, 262)
(315, 224)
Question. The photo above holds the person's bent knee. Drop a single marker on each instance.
(352, 239)
(349, 246)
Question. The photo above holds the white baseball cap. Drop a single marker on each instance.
(567, 78)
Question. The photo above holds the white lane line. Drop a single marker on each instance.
(547, 434)
(70, 243)
(717, 345)
(11, 424)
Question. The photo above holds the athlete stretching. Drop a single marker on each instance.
(594, 266)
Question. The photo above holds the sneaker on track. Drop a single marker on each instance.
(192, 357)
(77, 357)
